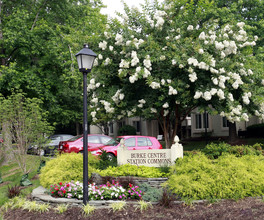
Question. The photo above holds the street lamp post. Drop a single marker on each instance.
(85, 58)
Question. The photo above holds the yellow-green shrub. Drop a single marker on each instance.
(133, 170)
(64, 168)
(197, 177)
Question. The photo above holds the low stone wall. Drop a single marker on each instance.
(154, 182)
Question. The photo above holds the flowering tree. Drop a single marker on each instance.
(166, 60)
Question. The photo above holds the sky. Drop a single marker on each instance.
(116, 5)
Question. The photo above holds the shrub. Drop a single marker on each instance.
(65, 168)
(133, 170)
(255, 130)
(197, 177)
(105, 161)
(127, 130)
(150, 194)
(215, 150)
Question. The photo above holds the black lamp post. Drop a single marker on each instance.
(85, 58)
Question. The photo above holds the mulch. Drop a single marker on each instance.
(249, 208)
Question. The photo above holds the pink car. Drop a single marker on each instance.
(131, 142)
(75, 144)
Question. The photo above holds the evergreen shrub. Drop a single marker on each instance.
(65, 168)
(228, 177)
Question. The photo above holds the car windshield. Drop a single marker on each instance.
(75, 138)
(113, 142)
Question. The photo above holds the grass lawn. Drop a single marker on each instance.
(11, 175)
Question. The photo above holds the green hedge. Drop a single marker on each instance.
(255, 130)
(214, 150)
(197, 177)
(133, 170)
(64, 168)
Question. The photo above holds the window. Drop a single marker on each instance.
(201, 121)
(104, 139)
(111, 125)
(149, 142)
(93, 139)
(225, 122)
(130, 142)
(136, 124)
(142, 142)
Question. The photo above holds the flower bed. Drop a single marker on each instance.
(108, 191)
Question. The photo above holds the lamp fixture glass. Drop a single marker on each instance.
(85, 59)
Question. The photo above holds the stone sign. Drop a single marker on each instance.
(153, 158)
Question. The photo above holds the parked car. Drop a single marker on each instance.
(131, 142)
(75, 144)
(52, 145)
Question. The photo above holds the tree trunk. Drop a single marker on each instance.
(232, 133)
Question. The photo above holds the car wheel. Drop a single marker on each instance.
(110, 156)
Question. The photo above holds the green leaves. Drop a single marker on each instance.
(196, 177)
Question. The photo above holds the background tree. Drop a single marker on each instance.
(24, 123)
(166, 60)
(38, 41)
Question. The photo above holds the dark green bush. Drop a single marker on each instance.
(228, 177)
(215, 150)
(127, 130)
(255, 130)
(105, 161)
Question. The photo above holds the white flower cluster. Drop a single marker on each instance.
(141, 103)
(165, 105)
(107, 106)
(118, 96)
(238, 81)
(124, 64)
(93, 114)
(189, 28)
(155, 85)
(147, 66)
(172, 91)
(137, 42)
(92, 85)
(166, 112)
(158, 16)
(135, 59)
(246, 97)
(119, 39)
(107, 61)
(153, 110)
(103, 45)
